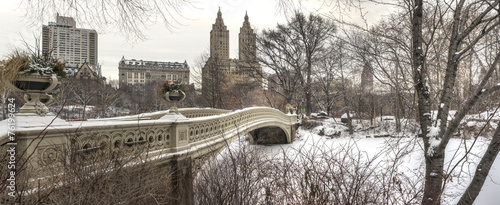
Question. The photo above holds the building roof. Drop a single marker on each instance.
(156, 64)
(86, 67)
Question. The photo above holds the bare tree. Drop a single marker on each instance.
(215, 81)
(443, 34)
(313, 33)
(388, 53)
(327, 76)
(344, 87)
(85, 92)
(129, 17)
(278, 53)
(471, 20)
(106, 97)
(291, 51)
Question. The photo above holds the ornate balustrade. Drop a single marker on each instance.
(162, 138)
(180, 145)
(187, 112)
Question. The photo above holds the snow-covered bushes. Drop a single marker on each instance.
(344, 174)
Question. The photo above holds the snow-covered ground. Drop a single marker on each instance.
(331, 134)
(485, 115)
(461, 175)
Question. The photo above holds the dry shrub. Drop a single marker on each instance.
(335, 175)
(95, 176)
(16, 61)
(235, 177)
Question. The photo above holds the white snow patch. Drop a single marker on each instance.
(434, 130)
(433, 142)
(441, 105)
(351, 115)
(471, 124)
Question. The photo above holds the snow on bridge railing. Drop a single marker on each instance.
(159, 136)
(187, 112)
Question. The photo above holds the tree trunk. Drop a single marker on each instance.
(434, 161)
(308, 93)
(433, 177)
(398, 111)
(84, 108)
(344, 93)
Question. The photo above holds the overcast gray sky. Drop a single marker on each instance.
(187, 41)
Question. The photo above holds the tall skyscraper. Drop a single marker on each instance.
(247, 45)
(68, 44)
(367, 78)
(219, 39)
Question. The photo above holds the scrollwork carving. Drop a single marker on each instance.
(182, 135)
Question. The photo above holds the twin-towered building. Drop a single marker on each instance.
(245, 68)
(140, 72)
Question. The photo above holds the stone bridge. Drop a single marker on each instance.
(183, 142)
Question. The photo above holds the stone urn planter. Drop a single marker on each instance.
(173, 92)
(38, 77)
(36, 88)
(174, 96)
(34, 82)
(35, 75)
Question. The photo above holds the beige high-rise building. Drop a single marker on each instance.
(247, 45)
(244, 69)
(219, 39)
(68, 44)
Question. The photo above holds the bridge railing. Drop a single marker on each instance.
(162, 138)
(208, 127)
(187, 112)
